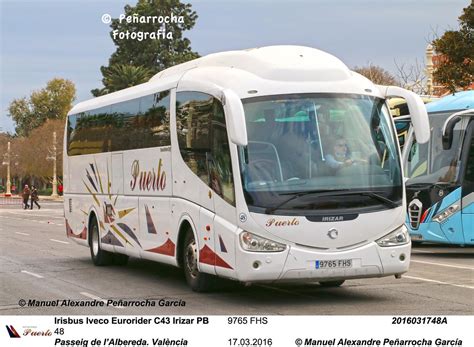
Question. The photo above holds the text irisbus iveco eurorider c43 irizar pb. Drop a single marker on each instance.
(269, 164)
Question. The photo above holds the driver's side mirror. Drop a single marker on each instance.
(417, 109)
(235, 117)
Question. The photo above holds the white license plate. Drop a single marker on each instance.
(333, 264)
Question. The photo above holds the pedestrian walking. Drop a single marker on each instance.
(34, 197)
(26, 196)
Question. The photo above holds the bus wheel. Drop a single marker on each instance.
(98, 255)
(120, 259)
(329, 284)
(198, 281)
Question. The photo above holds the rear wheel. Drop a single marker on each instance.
(98, 255)
(329, 284)
(198, 281)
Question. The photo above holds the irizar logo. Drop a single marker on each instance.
(332, 218)
(333, 233)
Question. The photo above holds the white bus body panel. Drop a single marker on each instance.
(158, 192)
(352, 233)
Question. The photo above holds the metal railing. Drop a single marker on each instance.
(10, 200)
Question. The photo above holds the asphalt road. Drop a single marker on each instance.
(37, 261)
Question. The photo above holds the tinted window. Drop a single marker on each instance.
(124, 126)
(132, 124)
(154, 120)
(203, 143)
(469, 176)
(89, 132)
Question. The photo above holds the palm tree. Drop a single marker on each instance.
(121, 76)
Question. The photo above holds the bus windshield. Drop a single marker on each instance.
(429, 163)
(340, 148)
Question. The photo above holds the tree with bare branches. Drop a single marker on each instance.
(377, 75)
(412, 77)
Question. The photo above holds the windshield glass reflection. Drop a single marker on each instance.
(319, 142)
(429, 163)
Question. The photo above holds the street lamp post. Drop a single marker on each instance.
(6, 162)
(53, 157)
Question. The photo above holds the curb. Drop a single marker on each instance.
(50, 198)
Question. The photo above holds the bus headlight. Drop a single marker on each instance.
(254, 243)
(397, 237)
(441, 217)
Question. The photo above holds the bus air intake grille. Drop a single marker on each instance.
(312, 247)
(414, 213)
(354, 245)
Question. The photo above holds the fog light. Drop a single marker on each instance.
(256, 265)
(402, 257)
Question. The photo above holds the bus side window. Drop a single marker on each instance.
(203, 142)
(221, 165)
(417, 160)
(468, 183)
(154, 120)
(89, 132)
(123, 126)
(193, 122)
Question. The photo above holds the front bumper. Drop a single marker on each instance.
(298, 263)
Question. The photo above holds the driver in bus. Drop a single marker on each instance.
(341, 154)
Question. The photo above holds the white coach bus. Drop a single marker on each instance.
(269, 164)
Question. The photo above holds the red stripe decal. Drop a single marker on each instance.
(168, 248)
(70, 232)
(208, 256)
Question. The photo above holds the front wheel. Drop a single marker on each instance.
(329, 284)
(198, 281)
(98, 255)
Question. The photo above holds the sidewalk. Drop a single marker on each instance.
(50, 198)
(41, 197)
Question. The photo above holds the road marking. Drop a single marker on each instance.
(38, 215)
(31, 220)
(66, 243)
(94, 297)
(32, 274)
(439, 282)
(17, 232)
(8, 307)
(441, 264)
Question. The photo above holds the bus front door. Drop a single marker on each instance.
(467, 201)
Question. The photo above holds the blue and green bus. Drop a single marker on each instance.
(440, 174)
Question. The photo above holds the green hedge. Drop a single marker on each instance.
(45, 191)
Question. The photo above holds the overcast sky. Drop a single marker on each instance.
(41, 40)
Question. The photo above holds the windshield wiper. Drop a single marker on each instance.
(333, 192)
(439, 185)
(376, 196)
(270, 210)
